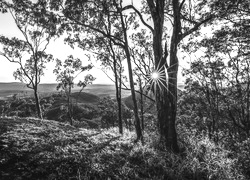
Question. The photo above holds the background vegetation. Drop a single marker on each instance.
(159, 132)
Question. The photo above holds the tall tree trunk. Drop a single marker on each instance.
(35, 88)
(69, 107)
(120, 99)
(141, 103)
(160, 92)
(118, 96)
(131, 81)
(165, 93)
(38, 106)
(117, 87)
(171, 135)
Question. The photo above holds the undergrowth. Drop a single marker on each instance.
(41, 149)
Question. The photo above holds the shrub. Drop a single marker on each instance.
(205, 159)
(108, 108)
(243, 154)
(87, 111)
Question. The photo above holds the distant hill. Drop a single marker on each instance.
(9, 89)
(82, 97)
(100, 90)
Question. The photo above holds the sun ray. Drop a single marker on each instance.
(172, 65)
(159, 78)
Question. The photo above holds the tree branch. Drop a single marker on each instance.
(140, 15)
(181, 5)
(196, 27)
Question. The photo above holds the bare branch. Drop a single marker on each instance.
(140, 15)
(196, 27)
(181, 5)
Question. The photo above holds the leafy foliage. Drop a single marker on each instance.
(66, 72)
(108, 111)
(37, 28)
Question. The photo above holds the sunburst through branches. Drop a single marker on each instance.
(158, 78)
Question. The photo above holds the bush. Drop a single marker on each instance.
(243, 154)
(87, 111)
(205, 159)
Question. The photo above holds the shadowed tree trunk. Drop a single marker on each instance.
(118, 94)
(141, 103)
(165, 93)
(131, 81)
(69, 107)
(38, 106)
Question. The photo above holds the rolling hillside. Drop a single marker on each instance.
(101, 90)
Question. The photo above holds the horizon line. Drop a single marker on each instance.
(75, 83)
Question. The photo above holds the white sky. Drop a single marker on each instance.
(58, 49)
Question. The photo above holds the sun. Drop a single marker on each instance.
(159, 79)
(155, 75)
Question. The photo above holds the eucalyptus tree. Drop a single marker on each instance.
(225, 67)
(111, 58)
(171, 20)
(183, 18)
(66, 72)
(37, 27)
(99, 19)
(142, 55)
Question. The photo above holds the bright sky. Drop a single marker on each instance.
(57, 48)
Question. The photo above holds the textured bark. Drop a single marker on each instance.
(120, 103)
(118, 96)
(69, 107)
(166, 93)
(131, 81)
(35, 87)
(141, 103)
(171, 135)
(38, 107)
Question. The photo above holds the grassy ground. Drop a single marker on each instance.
(41, 149)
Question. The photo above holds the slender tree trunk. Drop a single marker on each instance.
(141, 103)
(35, 88)
(118, 96)
(120, 99)
(117, 87)
(69, 107)
(38, 106)
(248, 101)
(131, 82)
